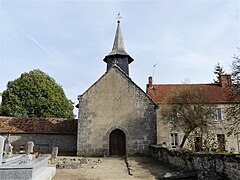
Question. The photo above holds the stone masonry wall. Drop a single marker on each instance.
(115, 102)
(43, 143)
(227, 165)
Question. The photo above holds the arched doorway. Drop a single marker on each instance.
(117, 143)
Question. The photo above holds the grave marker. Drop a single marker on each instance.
(54, 152)
(1, 149)
(29, 149)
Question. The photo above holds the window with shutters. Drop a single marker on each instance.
(218, 115)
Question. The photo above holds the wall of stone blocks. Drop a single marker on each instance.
(115, 102)
(226, 165)
(43, 143)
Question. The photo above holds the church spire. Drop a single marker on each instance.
(118, 55)
(118, 45)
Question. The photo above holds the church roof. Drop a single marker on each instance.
(118, 48)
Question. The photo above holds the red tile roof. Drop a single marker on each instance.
(37, 125)
(213, 92)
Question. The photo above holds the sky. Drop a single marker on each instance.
(68, 39)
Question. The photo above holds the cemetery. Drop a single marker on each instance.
(25, 164)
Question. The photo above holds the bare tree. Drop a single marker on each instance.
(233, 111)
(236, 68)
(187, 110)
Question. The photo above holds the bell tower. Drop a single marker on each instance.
(118, 56)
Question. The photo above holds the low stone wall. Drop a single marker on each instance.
(227, 165)
(46, 133)
(43, 143)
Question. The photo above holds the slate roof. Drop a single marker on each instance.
(37, 126)
(118, 48)
(213, 92)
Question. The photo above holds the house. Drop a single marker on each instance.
(217, 95)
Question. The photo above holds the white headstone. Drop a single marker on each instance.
(1, 148)
(30, 145)
(54, 152)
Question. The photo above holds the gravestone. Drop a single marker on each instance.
(24, 167)
(30, 146)
(1, 148)
(54, 152)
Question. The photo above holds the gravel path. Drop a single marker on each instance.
(113, 168)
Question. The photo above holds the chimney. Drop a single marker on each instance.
(150, 81)
(225, 80)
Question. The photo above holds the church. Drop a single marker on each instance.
(116, 117)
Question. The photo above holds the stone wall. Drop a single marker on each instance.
(43, 143)
(115, 102)
(226, 165)
(44, 132)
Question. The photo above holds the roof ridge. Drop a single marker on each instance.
(190, 84)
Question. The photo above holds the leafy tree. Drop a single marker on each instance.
(186, 110)
(35, 94)
(218, 70)
(233, 112)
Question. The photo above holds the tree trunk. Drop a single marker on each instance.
(184, 139)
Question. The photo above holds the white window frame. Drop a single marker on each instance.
(174, 140)
(218, 115)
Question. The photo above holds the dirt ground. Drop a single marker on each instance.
(112, 168)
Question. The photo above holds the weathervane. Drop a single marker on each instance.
(118, 17)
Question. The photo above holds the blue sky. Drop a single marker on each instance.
(69, 39)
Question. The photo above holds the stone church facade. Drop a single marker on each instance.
(116, 117)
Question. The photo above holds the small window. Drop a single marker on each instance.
(218, 115)
(174, 140)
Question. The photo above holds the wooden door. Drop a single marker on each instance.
(117, 143)
(221, 142)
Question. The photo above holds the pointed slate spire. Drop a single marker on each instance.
(118, 48)
(118, 45)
